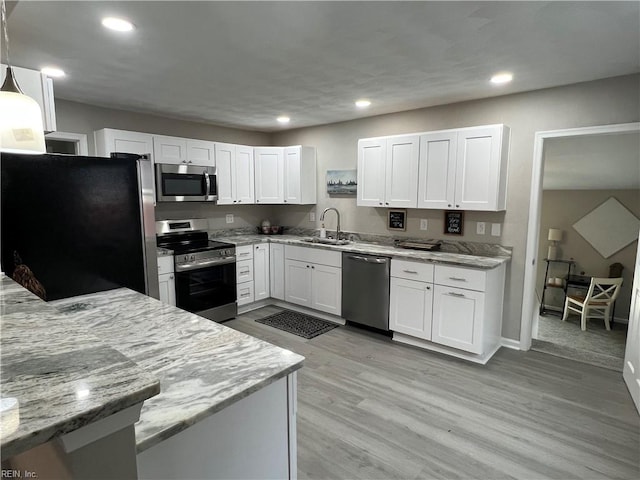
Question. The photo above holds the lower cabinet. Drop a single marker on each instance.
(276, 270)
(261, 279)
(458, 316)
(313, 278)
(411, 307)
(244, 275)
(167, 280)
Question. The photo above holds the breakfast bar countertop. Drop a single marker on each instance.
(55, 382)
(475, 258)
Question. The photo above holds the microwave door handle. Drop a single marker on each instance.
(207, 182)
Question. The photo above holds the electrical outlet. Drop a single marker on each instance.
(229, 217)
(312, 216)
(423, 224)
(480, 228)
(495, 229)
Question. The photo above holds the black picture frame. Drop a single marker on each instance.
(397, 220)
(453, 222)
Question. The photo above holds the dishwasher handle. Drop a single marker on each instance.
(368, 259)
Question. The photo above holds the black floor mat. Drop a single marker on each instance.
(297, 323)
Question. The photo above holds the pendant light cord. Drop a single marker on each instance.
(5, 31)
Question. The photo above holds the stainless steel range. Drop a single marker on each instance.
(205, 270)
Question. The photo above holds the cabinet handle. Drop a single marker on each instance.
(285, 201)
(239, 201)
(171, 277)
(234, 201)
(386, 203)
(257, 201)
(307, 266)
(312, 266)
(245, 294)
(190, 161)
(428, 288)
(457, 206)
(458, 279)
(410, 271)
(381, 203)
(449, 205)
(184, 161)
(455, 294)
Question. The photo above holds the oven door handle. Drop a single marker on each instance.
(211, 263)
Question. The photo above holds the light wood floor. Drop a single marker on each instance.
(369, 408)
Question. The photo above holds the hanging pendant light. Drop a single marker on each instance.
(21, 129)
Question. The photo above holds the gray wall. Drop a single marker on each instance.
(561, 209)
(601, 102)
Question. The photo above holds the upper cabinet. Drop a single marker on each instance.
(234, 169)
(387, 171)
(285, 175)
(179, 151)
(109, 140)
(463, 169)
(38, 86)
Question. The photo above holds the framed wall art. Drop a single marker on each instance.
(342, 182)
(453, 222)
(397, 220)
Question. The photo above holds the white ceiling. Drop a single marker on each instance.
(242, 64)
(597, 162)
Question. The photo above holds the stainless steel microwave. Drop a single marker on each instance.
(186, 183)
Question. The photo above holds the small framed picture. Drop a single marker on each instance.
(397, 220)
(453, 222)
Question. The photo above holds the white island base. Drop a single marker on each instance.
(252, 438)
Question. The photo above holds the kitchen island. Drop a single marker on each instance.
(223, 393)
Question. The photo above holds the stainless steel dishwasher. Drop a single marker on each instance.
(365, 289)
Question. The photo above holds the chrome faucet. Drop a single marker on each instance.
(338, 216)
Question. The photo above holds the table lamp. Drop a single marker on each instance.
(555, 235)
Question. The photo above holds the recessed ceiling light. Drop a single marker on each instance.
(502, 77)
(283, 119)
(117, 24)
(53, 72)
(362, 103)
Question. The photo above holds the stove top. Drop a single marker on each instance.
(192, 242)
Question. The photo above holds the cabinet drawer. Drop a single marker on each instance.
(245, 293)
(460, 277)
(422, 272)
(245, 252)
(313, 255)
(165, 264)
(244, 271)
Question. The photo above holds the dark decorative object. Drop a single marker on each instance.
(297, 323)
(453, 222)
(397, 220)
(25, 277)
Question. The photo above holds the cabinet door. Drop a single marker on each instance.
(167, 284)
(244, 293)
(201, 153)
(244, 175)
(478, 168)
(261, 271)
(326, 288)
(108, 141)
(410, 307)
(401, 172)
(371, 172)
(269, 171)
(457, 318)
(437, 170)
(276, 270)
(297, 282)
(170, 150)
(225, 154)
(292, 175)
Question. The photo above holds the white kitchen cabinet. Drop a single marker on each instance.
(276, 270)
(411, 298)
(313, 278)
(269, 170)
(244, 275)
(38, 86)
(261, 279)
(109, 140)
(166, 280)
(458, 318)
(299, 175)
(388, 171)
(464, 169)
(183, 151)
(235, 173)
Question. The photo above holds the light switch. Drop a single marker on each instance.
(423, 224)
(495, 229)
(480, 228)
(312, 216)
(229, 217)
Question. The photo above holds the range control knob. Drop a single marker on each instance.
(186, 258)
(192, 258)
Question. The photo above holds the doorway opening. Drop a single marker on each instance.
(574, 172)
(66, 143)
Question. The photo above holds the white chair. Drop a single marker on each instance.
(597, 303)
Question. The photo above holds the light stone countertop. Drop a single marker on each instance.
(60, 371)
(164, 252)
(483, 261)
(203, 366)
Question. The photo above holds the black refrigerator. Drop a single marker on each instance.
(78, 225)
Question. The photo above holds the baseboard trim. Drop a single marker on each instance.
(510, 343)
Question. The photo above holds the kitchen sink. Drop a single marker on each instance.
(326, 241)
